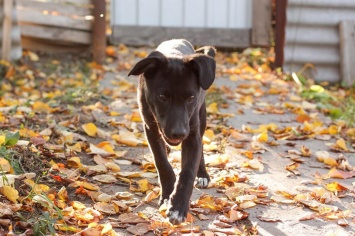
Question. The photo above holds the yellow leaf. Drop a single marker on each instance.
(65, 227)
(33, 56)
(2, 139)
(106, 228)
(263, 137)
(292, 166)
(74, 162)
(341, 144)
(37, 188)
(113, 166)
(143, 186)
(330, 161)
(90, 129)
(335, 187)
(39, 106)
(114, 113)
(5, 165)
(127, 138)
(333, 129)
(106, 146)
(212, 108)
(208, 136)
(10, 193)
(78, 205)
(136, 117)
(86, 185)
(99, 151)
(306, 152)
(76, 147)
(151, 196)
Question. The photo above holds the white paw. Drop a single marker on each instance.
(175, 218)
(201, 182)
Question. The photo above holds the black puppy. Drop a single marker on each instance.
(171, 97)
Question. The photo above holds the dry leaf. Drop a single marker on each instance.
(139, 229)
(127, 138)
(90, 129)
(335, 173)
(107, 208)
(131, 218)
(105, 178)
(340, 143)
(10, 193)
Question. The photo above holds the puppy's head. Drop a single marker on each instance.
(172, 88)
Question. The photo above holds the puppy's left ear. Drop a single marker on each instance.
(205, 67)
(207, 50)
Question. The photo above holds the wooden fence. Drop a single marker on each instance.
(73, 23)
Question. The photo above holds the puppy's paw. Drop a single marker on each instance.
(202, 182)
(176, 217)
(177, 212)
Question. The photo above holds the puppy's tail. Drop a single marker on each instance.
(207, 50)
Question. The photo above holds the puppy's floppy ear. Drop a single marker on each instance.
(205, 67)
(153, 60)
(207, 50)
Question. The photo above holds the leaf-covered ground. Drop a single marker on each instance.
(74, 159)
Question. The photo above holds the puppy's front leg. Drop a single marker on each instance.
(165, 171)
(180, 198)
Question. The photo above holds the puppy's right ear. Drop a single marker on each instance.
(153, 60)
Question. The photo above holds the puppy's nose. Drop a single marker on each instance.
(178, 134)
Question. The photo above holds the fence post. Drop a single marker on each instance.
(280, 27)
(99, 31)
(6, 34)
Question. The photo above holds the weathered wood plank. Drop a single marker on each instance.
(261, 26)
(50, 46)
(347, 49)
(7, 26)
(152, 36)
(62, 8)
(53, 33)
(75, 2)
(60, 21)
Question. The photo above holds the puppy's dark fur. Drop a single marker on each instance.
(171, 97)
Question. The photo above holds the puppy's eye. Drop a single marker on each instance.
(162, 98)
(190, 99)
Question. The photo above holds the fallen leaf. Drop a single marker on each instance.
(131, 218)
(85, 185)
(105, 178)
(335, 187)
(335, 173)
(90, 129)
(341, 144)
(5, 165)
(139, 229)
(107, 208)
(127, 138)
(256, 164)
(10, 193)
(268, 219)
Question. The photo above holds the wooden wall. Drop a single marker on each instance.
(224, 23)
(10, 38)
(66, 22)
